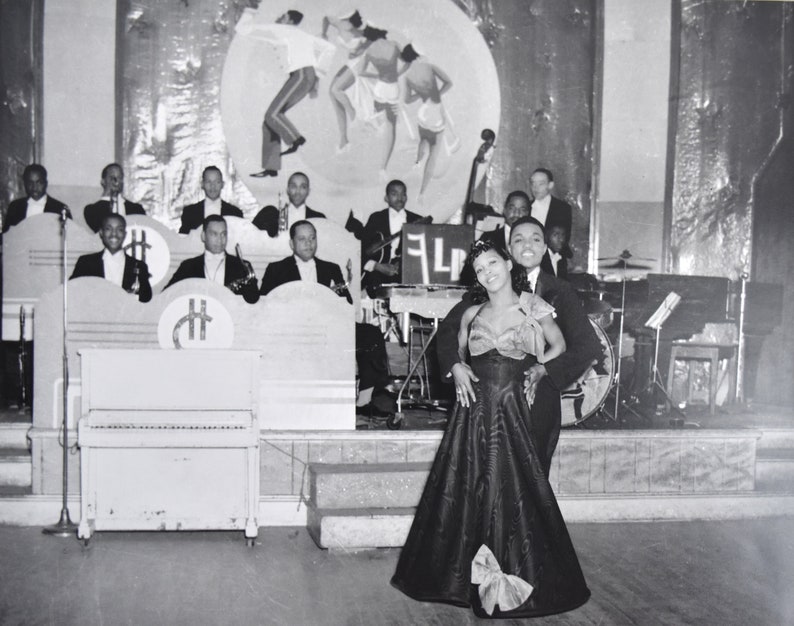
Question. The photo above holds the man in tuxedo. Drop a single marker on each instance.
(298, 189)
(112, 264)
(516, 206)
(555, 261)
(36, 200)
(112, 200)
(302, 264)
(216, 265)
(382, 266)
(193, 215)
(547, 209)
(527, 246)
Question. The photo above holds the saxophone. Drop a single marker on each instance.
(250, 276)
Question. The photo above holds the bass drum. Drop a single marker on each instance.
(588, 394)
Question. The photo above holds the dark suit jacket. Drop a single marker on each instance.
(18, 211)
(286, 270)
(562, 266)
(193, 215)
(377, 230)
(267, 219)
(194, 268)
(495, 237)
(92, 265)
(582, 344)
(560, 214)
(94, 213)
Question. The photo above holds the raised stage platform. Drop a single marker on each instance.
(356, 489)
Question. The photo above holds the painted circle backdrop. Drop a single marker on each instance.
(352, 179)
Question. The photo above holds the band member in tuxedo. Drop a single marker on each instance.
(527, 247)
(298, 188)
(384, 226)
(547, 209)
(555, 261)
(112, 200)
(216, 265)
(302, 264)
(516, 207)
(112, 264)
(212, 184)
(36, 200)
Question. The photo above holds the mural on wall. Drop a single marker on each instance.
(193, 91)
(386, 91)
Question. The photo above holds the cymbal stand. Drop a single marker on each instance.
(616, 384)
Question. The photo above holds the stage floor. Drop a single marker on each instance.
(731, 572)
(695, 416)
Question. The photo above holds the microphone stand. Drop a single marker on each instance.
(64, 527)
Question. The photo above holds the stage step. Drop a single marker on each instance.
(15, 467)
(14, 435)
(776, 438)
(366, 485)
(774, 470)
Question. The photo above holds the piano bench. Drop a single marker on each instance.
(699, 352)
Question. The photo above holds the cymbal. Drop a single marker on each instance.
(621, 264)
(625, 256)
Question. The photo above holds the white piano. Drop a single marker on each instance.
(169, 440)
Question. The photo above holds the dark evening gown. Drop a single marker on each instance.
(487, 488)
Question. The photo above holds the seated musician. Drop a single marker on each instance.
(371, 356)
(112, 264)
(380, 244)
(527, 246)
(216, 265)
(555, 261)
(36, 200)
(112, 200)
(303, 264)
(212, 184)
(269, 218)
(516, 207)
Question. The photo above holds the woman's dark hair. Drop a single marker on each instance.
(355, 19)
(373, 34)
(518, 273)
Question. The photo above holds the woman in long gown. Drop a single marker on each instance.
(488, 533)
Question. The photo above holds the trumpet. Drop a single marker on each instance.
(283, 215)
(238, 283)
(342, 289)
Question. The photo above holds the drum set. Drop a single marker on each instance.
(588, 395)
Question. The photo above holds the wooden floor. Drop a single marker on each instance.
(720, 573)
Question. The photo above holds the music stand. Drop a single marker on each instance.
(655, 322)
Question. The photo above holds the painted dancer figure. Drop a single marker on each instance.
(303, 54)
(351, 37)
(422, 83)
(383, 56)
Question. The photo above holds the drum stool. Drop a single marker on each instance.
(696, 352)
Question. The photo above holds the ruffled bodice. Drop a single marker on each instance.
(517, 341)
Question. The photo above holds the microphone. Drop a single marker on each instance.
(64, 213)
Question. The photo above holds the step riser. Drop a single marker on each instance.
(361, 531)
(15, 473)
(783, 438)
(774, 475)
(15, 438)
(357, 490)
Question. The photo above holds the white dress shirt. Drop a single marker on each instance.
(212, 207)
(307, 269)
(540, 209)
(532, 276)
(36, 207)
(114, 266)
(215, 267)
